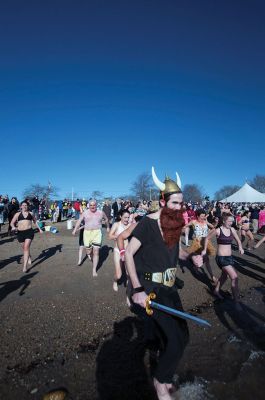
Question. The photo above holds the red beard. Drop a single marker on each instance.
(171, 224)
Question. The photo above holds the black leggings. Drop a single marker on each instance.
(172, 333)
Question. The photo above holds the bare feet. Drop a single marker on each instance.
(171, 388)
(161, 390)
(24, 270)
(214, 280)
(95, 274)
(128, 301)
(115, 286)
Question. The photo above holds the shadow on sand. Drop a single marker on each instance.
(45, 254)
(121, 372)
(103, 255)
(7, 240)
(11, 286)
(250, 323)
(253, 255)
(240, 264)
(10, 260)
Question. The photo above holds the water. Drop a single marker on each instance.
(234, 366)
(196, 390)
(248, 384)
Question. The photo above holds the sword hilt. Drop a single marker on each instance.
(148, 308)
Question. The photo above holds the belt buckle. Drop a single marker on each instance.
(157, 277)
(169, 277)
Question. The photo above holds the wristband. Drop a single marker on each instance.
(139, 289)
(122, 251)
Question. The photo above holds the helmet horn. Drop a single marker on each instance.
(161, 186)
(178, 180)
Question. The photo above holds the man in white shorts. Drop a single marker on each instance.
(92, 231)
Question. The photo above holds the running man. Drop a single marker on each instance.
(92, 218)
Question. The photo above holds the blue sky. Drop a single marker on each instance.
(93, 93)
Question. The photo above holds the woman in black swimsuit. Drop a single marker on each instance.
(25, 235)
(224, 259)
(244, 224)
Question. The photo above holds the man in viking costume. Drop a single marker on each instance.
(151, 259)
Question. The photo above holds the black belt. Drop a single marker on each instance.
(166, 278)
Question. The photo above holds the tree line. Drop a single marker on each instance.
(144, 188)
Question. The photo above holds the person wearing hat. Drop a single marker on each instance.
(151, 260)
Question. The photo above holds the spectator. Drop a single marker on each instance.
(254, 217)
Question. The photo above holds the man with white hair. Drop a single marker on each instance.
(92, 218)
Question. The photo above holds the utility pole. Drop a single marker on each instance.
(49, 190)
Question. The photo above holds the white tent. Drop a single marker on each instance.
(245, 195)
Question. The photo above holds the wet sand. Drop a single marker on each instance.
(62, 328)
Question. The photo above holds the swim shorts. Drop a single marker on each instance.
(23, 235)
(224, 261)
(92, 238)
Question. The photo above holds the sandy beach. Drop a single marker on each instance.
(62, 328)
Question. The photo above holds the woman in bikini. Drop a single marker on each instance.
(116, 230)
(25, 235)
(224, 259)
(201, 228)
(244, 224)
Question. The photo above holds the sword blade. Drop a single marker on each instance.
(178, 313)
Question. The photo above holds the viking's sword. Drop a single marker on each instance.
(151, 304)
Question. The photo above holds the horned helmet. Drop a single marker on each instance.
(168, 186)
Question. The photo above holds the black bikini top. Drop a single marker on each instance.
(22, 218)
(223, 239)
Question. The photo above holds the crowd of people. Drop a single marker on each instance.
(119, 215)
(58, 210)
(150, 237)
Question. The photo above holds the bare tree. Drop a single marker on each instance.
(40, 191)
(258, 183)
(51, 191)
(97, 195)
(193, 192)
(226, 191)
(142, 186)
